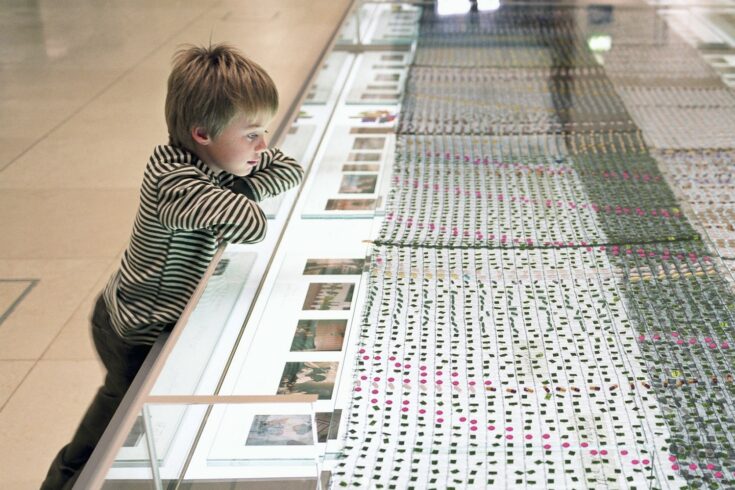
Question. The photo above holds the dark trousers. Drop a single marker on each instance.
(122, 361)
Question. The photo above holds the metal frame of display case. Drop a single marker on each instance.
(142, 393)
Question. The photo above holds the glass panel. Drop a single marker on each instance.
(229, 443)
(192, 367)
(132, 468)
(325, 83)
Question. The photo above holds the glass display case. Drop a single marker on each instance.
(255, 381)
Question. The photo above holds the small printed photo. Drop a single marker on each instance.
(327, 425)
(308, 378)
(364, 157)
(350, 204)
(383, 87)
(367, 143)
(388, 67)
(364, 130)
(281, 430)
(329, 296)
(387, 77)
(361, 167)
(371, 96)
(319, 335)
(323, 267)
(358, 184)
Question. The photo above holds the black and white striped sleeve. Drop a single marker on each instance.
(188, 201)
(276, 173)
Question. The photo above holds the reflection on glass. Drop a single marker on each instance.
(453, 7)
(488, 5)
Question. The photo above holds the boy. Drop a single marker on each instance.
(198, 191)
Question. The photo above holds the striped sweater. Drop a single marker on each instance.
(186, 211)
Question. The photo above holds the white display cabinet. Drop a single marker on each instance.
(253, 380)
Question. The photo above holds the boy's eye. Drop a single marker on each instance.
(252, 136)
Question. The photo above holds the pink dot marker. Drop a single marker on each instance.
(547, 446)
(440, 412)
(710, 466)
(675, 467)
(645, 461)
(546, 436)
(693, 466)
(422, 411)
(624, 452)
(509, 437)
(490, 427)
(566, 444)
(439, 420)
(529, 437)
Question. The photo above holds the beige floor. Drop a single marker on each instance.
(82, 85)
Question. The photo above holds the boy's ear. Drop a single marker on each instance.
(200, 135)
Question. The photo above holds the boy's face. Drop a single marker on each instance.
(238, 147)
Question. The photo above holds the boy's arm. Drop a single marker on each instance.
(276, 173)
(187, 200)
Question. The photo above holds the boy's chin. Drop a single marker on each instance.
(244, 172)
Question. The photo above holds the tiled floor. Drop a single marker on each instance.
(82, 86)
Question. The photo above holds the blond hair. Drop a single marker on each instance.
(208, 86)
